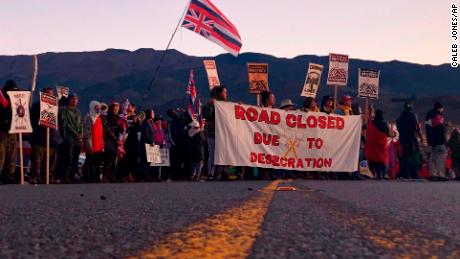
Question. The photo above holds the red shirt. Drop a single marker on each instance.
(96, 136)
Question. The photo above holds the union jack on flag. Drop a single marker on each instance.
(191, 92)
(205, 19)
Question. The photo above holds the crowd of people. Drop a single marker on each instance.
(113, 138)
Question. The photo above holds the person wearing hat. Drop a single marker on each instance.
(71, 129)
(287, 105)
(93, 141)
(310, 105)
(408, 128)
(8, 143)
(436, 136)
(327, 104)
(345, 106)
(195, 150)
(114, 127)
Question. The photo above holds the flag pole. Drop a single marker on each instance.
(149, 87)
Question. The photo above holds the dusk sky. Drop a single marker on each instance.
(410, 30)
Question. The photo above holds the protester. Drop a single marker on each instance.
(129, 164)
(327, 104)
(38, 142)
(408, 128)
(113, 129)
(436, 136)
(268, 99)
(345, 106)
(454, 146)
(310, 105)
(159, 139)
(93, 140)
(287, 105)
(8, 143)
(376, 147)
(195, 150)
(177, 129)
(219, 93)
(147, 137)
(71, 130)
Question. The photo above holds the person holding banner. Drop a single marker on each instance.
(268, 99)
(345, 106)
(310, 105)
(8, 142)
(195, 150)
(327, 104)
(38, 141)
(71, 130)
(93, 141)
(147, 137)
(218, 93)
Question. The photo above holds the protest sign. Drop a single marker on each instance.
(48, 111)
(338, 70)
(273, 138)
(211, 72)
(368, 83)
(153, 153)
(20, 120)
(164, 161)
(62, 91)
(258, 77)
(312, 81)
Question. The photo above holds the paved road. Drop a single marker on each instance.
(238, 219)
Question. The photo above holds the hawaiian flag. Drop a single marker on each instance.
(191, 93)
(205, 19)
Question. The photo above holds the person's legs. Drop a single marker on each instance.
(76, 149)
(211, 165)
(437, 160)
(11, 155)
(36, 164)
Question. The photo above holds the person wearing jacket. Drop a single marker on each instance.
(195, 150)
(219, 93)
(93, 140)
(38, 141)
(408, 128)
(454, 146)
(310, 105)
(376, 147)
(8, 142)
(72, 135)
(436, 136)
(113, 130)
(147, 137)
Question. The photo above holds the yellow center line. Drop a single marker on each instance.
(229, 234)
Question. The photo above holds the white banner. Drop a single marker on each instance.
(211, 71)
(368, 83)
(338, 70)
(311, 85)
(48, 111)
(20, 120)
(62, 91)
(272, 138)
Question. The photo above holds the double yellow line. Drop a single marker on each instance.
(230, 234)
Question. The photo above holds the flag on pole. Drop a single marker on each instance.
(191, 93)
(205, 19)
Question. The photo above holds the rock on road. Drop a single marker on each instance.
(325, 219)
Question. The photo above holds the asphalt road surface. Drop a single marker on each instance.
(236, 219)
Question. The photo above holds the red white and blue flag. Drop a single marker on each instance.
(191, 93)
(205, 19)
